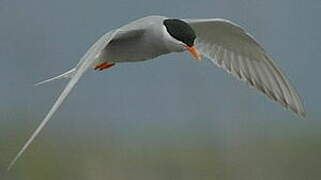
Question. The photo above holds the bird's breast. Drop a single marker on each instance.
(132, 50)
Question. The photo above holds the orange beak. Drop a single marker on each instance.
(194, 53)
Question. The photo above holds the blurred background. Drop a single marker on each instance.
(168, 118)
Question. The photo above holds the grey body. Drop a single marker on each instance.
(223, 42)
(139, 41)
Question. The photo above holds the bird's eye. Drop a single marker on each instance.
(181, 31)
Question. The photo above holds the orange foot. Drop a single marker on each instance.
(103, 66)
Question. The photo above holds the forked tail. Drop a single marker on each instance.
(65, 75)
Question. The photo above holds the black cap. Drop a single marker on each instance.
(180, 30)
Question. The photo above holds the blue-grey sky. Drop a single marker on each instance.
(170, 99)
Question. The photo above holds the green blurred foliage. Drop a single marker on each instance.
(187, 156)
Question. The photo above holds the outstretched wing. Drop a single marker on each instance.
(85, 63)
(236, 51)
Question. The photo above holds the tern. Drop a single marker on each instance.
(223, 42)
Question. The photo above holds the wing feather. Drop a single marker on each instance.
(237, 52)
(85, 63)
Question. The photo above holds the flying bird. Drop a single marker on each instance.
(224, 43)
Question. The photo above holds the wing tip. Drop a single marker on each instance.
(302, 114)
(12, 163)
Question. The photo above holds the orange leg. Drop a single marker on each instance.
(103, 66)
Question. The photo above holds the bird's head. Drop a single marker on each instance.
(183, 35)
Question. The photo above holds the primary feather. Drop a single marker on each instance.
(86, 62)
(237, 52)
